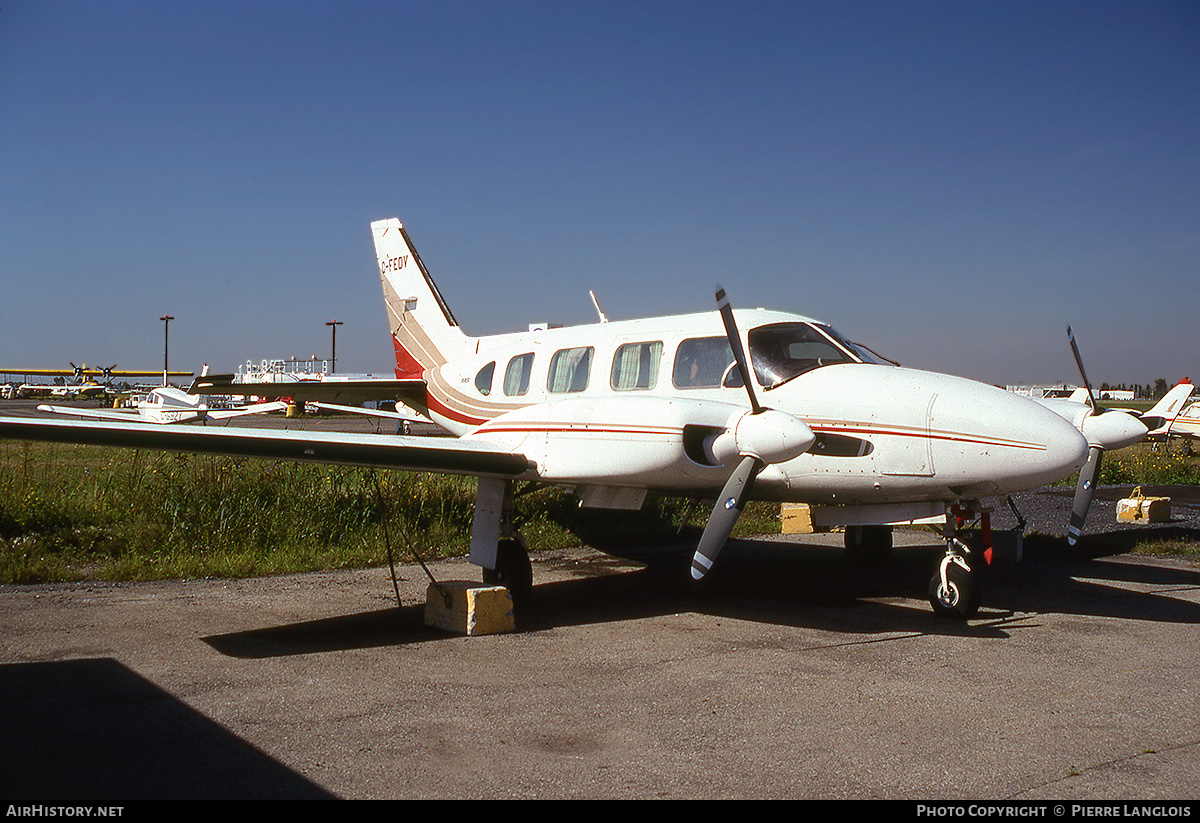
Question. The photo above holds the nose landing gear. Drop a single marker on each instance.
(954, 589)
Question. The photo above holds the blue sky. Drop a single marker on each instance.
(951, 183)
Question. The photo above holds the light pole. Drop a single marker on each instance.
(333, 324)
(166, 318)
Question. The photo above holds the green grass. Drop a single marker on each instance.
(1149, 464)
(82, 512)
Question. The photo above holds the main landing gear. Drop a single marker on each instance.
(513, 570)
(496, 544)
(954, 589)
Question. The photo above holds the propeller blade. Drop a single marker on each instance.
(1082, 373)
(1084, 489)
(735, 343)
(725, 515)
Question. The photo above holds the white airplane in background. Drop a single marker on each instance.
(166, 405)
(674, 406)
(1167, 410)
(1187, 424)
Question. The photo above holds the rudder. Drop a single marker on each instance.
(424, 331)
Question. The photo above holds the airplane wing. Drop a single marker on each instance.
(86, 371)
(437, 454)
(390, 415)
(256, 408)
(329, 390)
(101, 414)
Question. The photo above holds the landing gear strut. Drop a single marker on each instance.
(954, 589)
(496, 545)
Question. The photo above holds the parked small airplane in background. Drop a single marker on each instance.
(674, 406)
(166, 405)
(1167, 410)
(1187, 424)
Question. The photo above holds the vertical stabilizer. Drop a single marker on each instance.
(1160, 418)
(424, 332)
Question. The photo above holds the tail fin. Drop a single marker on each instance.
(424, 332)
(1166, 410)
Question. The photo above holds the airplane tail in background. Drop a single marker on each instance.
(1160, 418)
(424, 332)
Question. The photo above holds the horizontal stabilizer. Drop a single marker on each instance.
(382, 388)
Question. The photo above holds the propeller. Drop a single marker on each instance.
(1085, 488)
(1104, 429)
(757, 438)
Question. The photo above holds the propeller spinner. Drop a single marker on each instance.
(760, 437)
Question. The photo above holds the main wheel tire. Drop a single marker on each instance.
(513, 570)
(960, 599)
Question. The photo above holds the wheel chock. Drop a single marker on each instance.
(468, 608)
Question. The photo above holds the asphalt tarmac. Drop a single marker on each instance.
(791, 675)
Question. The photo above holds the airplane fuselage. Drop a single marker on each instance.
(640, 405)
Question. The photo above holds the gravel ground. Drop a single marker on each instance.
(1048, 511)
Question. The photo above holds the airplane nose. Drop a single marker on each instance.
(1059, 449)
(1113, 429)
(1013, 443)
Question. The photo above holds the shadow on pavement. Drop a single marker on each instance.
(93, 730)
(774, 582)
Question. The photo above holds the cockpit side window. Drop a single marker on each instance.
(701, 362)
(782, 351)
(483, 380)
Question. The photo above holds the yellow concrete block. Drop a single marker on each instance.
(797, 519)
(1144, 509)
(469, 608)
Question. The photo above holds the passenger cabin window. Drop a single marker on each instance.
(569, 370)
(702, 363)
(516, 376)
(635, 366)
(782, 351)
(483, 380)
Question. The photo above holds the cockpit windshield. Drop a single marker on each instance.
(782, 351)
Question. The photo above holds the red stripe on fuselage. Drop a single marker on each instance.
(436, 405)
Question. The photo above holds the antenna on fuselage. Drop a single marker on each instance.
(596, 303)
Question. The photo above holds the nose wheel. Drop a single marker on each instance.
(954, 589)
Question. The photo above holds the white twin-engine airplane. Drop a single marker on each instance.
(674, 406)
(166, 405)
